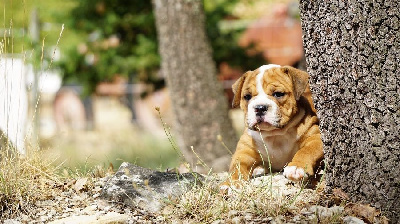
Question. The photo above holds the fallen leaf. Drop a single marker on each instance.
(337, 192)
(110, 169)
(80, 184)
(364, 211)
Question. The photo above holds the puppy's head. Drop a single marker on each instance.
(269, 95)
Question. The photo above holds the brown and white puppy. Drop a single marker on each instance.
(280, 117)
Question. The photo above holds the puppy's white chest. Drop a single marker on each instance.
(281, 148)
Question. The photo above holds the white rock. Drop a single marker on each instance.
(89, 210)
(111, 217)
(324, 212)
(352, 220)
(11, 221)
(237, 220)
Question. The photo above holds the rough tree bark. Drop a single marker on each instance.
(200, 108)
(353, 57)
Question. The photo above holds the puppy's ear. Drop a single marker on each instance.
(237, 89)
(299, 79)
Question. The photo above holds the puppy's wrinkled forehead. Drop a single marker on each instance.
(259, 78)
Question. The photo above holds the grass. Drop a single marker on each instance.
(23, 181)
(255, 201)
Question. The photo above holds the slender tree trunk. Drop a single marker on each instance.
(200, 108)
(353, 57)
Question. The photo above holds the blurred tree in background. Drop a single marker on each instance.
(120, 38)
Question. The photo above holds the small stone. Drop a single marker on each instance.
(89, 210)
(248, 216)
(107, 208)
(52, 212)
(75, 219)
(113, 217)
(352, 220)
(237, 220)
(96, 195)
(324, 212)
(41, 213)
(69, 210)
(232, 213)
(11, 221)
(97, 189)
(44, 218)
(168, 210)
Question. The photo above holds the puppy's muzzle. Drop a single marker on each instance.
(260, 110)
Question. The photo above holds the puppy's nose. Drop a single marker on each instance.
(260, 109)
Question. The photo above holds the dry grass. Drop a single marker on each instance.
(26, 181)
(254, 202)
(23, 181)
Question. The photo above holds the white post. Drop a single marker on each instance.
(13, 101)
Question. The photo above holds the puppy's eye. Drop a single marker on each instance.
(278, 94)
(247, 97)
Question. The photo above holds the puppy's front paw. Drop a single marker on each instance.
(294, 173)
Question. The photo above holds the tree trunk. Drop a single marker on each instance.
(353, 57)
(200, 108)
